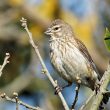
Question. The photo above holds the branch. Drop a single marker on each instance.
(45, 70)
(15, 98)
(94, 101)
(17, 101)
(4, 63)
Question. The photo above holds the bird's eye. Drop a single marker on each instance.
(56, 28)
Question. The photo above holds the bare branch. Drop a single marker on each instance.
(4, 96)
(15, 94)
(4, 63)
(55, 85)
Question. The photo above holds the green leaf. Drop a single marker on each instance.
(107, 39)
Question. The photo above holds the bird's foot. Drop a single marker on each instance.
(97, 87)
(57, 89)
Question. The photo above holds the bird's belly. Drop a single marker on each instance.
(76, 65)
(71, 65)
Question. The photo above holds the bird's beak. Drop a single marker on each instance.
(48, 32)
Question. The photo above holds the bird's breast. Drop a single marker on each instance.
(69, 62)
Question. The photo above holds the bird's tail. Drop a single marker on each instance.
(106, 97)
(104, 100)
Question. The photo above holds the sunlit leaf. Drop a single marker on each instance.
(107, 39)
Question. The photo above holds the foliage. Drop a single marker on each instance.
(107, 39)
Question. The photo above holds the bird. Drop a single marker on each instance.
(70, 57)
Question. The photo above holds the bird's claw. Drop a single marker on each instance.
(57, 89)
(97, 87)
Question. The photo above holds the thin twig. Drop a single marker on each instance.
(4, 63)
(24, 24)
(4, 96)
(17, 105)
(15, 99)
(76, 96)
(15, 96)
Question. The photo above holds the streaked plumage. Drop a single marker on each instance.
(69, 56)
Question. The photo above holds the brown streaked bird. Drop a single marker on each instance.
(70, 57)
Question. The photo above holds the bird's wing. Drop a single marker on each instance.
(84, 51)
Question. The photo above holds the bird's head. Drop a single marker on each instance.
(59, 29)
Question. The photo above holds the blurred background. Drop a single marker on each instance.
(23, 75)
